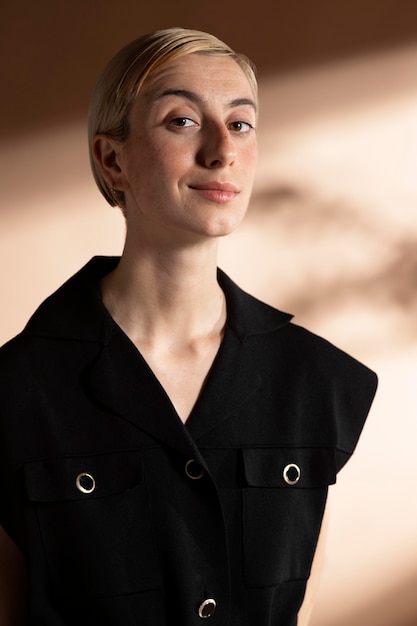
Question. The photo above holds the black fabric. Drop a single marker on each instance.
(151, 541)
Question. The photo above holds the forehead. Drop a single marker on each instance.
(206, 74)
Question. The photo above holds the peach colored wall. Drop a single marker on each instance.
(331, 235)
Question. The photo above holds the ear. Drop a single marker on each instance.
(106, 152)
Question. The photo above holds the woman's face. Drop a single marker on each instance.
(189, 162)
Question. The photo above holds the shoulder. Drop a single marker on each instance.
(74, 311)
(275, 332)
(321, 386)
(316, 351)
(13, 354)
(69, 322)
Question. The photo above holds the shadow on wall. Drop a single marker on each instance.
(53, 51)
(345, 259)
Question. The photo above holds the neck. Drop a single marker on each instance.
(168, 295)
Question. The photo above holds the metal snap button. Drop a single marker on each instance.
(85, 482)
(207, 608)
(291, 474)
(194, 470)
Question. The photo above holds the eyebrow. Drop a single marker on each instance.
(196, 99)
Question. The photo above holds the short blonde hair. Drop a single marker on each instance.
(125, 74)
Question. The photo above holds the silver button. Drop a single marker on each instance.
(291, 474)
(194, 470)
(85, 482)
(207, 608)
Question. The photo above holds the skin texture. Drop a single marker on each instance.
(191, 124)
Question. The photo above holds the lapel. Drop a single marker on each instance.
(231, 382)
(121, 379)
(234, 378)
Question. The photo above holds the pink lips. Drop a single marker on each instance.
(217, 191)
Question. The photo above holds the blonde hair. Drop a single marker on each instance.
(125, 74)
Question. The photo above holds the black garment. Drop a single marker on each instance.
(117, 528)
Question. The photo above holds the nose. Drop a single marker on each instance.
(218, 147)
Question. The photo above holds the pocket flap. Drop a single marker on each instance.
(81, 477)
(290, 468)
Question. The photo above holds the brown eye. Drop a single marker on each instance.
(182, 122)
(240, 127)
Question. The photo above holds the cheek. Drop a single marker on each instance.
(168, 160)
(255, 153)
(145, 155)
(251, 159)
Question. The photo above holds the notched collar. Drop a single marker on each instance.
(76, 310)
(248, 315)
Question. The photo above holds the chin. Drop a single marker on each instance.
(222, 228)
(227, 222)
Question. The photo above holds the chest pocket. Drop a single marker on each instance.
(284, 498)
(94, 522)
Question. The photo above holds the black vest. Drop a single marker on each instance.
(128, 517)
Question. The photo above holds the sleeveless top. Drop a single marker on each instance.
(125, 515)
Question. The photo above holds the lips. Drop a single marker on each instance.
(216, 186)
(216, 191)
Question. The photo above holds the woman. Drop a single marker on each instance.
(179, 435)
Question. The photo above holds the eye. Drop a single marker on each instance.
(182, 122)
(240, 126)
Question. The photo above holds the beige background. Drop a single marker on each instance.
(331, 235)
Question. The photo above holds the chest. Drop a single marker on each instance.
(182, 371)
